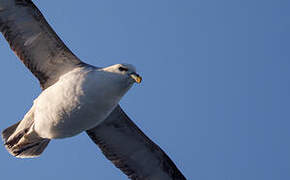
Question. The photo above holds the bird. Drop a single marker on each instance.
(76, 97)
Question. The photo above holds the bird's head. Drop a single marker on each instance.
(127, 70)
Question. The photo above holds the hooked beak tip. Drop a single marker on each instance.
(136, 77)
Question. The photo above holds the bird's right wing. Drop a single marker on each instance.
(123, 143)
(34, 41)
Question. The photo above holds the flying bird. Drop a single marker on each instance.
(76, 97)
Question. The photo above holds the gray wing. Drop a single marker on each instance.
(35, 42)
(123, 143)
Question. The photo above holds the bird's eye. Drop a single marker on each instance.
(123, 69)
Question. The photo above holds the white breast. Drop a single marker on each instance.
(79, 101)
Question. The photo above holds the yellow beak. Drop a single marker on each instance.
(136, 77)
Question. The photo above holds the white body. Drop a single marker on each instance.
(79, 101)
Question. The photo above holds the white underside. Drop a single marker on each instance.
(79, 101)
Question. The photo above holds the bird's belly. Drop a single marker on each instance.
(56, 122)
(69, 108)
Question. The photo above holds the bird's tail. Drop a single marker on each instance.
(21, 140)
(24, 143)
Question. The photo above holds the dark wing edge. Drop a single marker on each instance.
(34, 41)
(130, 150)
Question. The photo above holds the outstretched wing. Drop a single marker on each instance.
(122, 142)
(35, 42)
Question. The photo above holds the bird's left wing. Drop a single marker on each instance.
(123, 143)
(34, 41)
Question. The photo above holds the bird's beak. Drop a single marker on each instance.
(136, 77)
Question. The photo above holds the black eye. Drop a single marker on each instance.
(123, 69)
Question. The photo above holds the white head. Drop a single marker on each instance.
(126, 70)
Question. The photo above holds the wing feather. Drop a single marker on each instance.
(123, 143)
(34, 41)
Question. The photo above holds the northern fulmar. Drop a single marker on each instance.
(76, 97)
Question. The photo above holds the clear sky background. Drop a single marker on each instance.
(215, 94)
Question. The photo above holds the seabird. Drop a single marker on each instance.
(76, 97)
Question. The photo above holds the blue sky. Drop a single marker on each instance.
(215, 94)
